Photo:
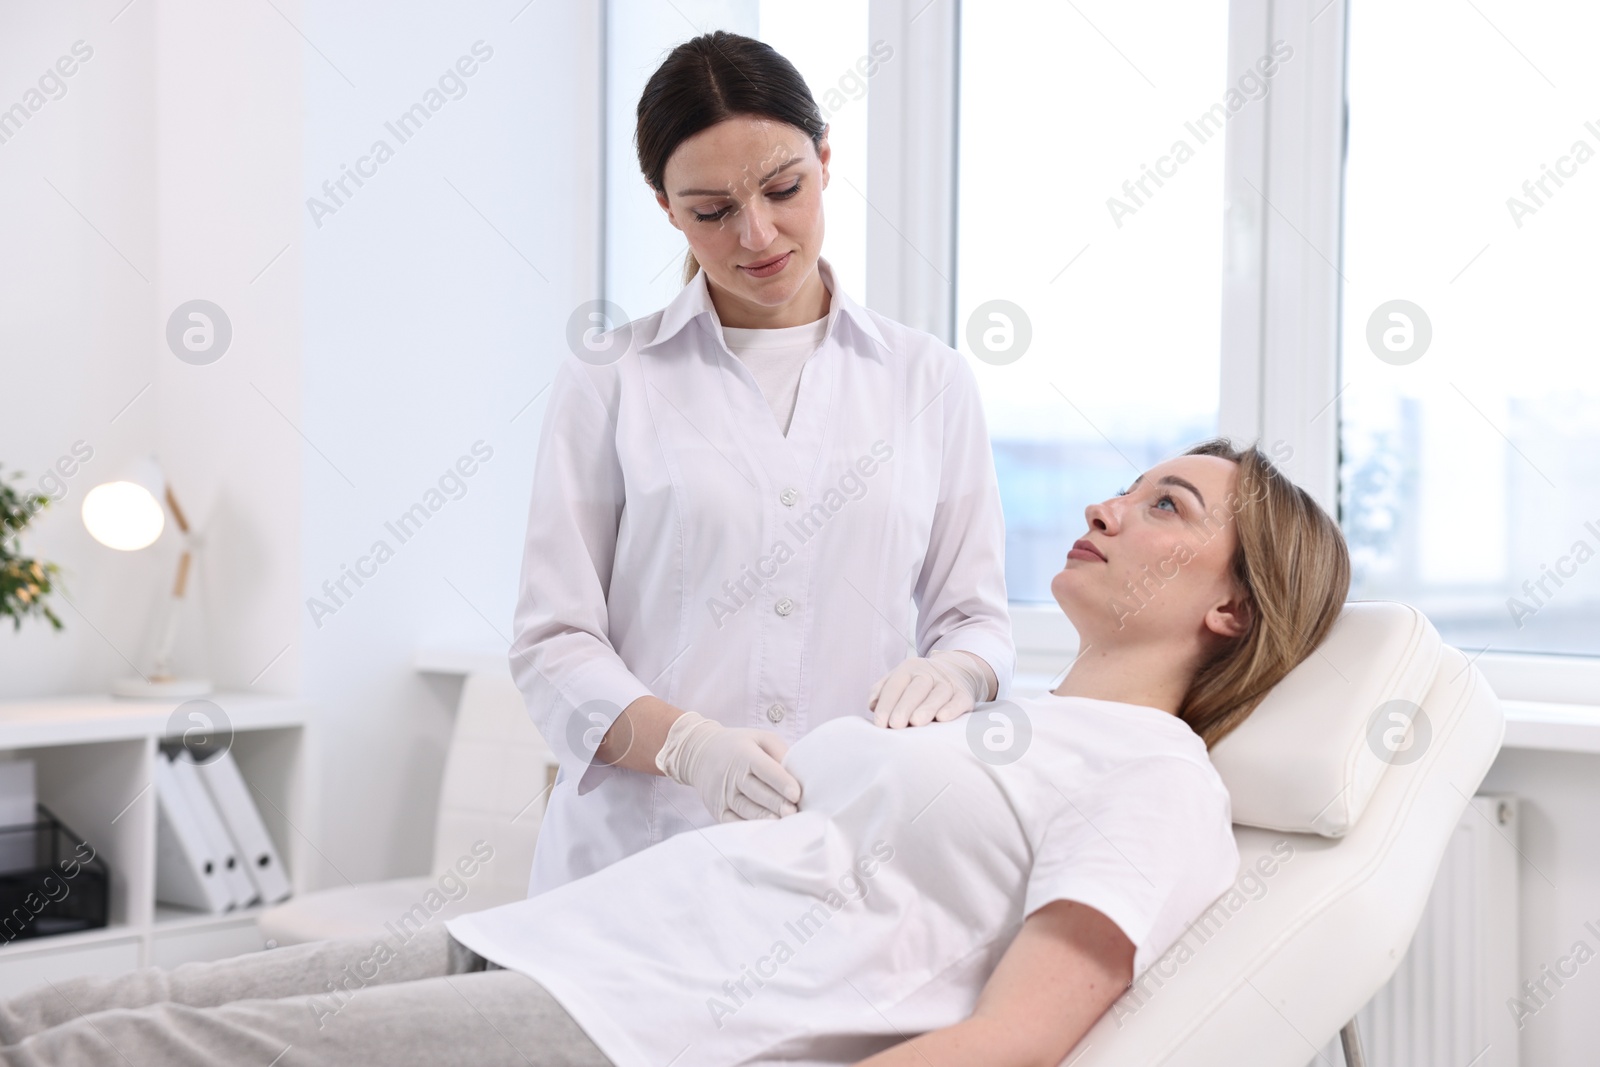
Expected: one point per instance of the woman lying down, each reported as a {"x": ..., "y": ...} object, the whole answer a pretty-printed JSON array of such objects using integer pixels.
[{"x": 976, "y": 891}]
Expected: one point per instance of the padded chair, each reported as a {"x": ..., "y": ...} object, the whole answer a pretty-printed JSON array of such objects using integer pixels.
[
  {"x": 1341, "y": 820},
  {"x": 496, "y": 778}
]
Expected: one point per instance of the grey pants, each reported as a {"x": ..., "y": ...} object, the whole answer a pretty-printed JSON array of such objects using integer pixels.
[{"x": 430, "y": 1001}]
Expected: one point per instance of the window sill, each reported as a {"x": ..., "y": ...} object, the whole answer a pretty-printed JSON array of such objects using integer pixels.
[{"x": 1549, "y": 727}]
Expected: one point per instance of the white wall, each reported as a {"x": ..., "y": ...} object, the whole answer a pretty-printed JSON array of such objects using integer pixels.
[
  {"x": 227, "y": 137},
  {"x": 164, "y": 173},
  {"x": 436, "y": 301},
  {"x": 78, "y": 267}
]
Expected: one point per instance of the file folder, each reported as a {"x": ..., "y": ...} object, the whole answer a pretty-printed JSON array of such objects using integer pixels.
[
  {"x": 240, "y": 887},
  {"x": 186, "y": 871},
  {"x": 242, "y": 818}
]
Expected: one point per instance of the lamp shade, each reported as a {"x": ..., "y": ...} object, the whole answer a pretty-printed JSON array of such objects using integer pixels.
[{"x": 127, "y": 514}]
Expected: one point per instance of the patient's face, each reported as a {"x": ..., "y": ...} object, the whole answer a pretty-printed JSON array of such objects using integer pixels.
[{"x": 1156, "y": 560}]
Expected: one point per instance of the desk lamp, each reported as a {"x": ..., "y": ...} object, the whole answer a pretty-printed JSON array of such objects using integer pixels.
[{"x": 127, "y": 515}]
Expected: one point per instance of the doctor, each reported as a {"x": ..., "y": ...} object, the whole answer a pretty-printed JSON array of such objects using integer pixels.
[{"x": 758, "y": 509}]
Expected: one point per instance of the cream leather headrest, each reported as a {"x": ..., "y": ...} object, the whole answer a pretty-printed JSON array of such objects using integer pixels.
[{"x": 1308, "y": 759}]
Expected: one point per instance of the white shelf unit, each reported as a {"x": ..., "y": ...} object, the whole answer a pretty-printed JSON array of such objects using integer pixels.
[{"x": 95, "y": 762}]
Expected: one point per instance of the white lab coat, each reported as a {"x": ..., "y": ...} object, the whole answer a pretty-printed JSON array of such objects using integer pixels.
[{"x": 679, "y": 545}]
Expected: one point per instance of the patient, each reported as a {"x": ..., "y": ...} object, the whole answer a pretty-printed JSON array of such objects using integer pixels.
[{"x": 975, "y": 891}]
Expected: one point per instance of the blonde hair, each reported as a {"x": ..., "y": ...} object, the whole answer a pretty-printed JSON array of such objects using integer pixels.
[
  {"x": 691, "y": 266},
  {"x": 1293, "y": 566}
]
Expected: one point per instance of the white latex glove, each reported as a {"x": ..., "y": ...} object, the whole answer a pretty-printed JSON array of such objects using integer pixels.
[
  {"x": 942, "y": 687},
  {"x": 736, "y": 771}
]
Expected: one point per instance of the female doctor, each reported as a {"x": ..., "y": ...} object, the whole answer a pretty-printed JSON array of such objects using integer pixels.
[{"x": 738, "y": 499}]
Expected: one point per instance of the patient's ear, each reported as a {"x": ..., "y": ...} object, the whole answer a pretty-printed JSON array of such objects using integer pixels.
[{"x": 1232, "y": 617}]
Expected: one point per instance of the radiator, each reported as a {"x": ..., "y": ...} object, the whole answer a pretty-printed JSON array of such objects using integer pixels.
[{"x": 1445, "y": 1006}]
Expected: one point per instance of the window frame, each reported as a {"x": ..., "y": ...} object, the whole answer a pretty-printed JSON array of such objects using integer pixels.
[
  {"x": 913, "y": 115},
  {"x": 1282, "y": 248}
]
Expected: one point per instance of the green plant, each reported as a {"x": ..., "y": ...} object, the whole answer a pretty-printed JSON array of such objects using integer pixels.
[{"x": 24, "y": 582}]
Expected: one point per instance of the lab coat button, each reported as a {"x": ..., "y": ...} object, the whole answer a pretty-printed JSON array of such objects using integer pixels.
[
  {"x": 775, "y": 713},
  {"x": 784, "y": 606},
  {"x": 789, "y": 496}
]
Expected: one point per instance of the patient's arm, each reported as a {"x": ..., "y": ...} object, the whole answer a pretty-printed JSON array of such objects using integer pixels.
[{"x": 1063, "y": 970}]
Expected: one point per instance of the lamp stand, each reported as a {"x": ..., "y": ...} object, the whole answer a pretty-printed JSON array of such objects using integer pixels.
[{"x": 161, "y": 683}]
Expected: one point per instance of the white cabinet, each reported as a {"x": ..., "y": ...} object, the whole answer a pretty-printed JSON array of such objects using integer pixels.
[{"x": 95, "y": 760}]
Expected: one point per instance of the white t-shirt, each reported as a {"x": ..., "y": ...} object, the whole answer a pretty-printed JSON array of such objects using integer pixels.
[
  {"x": 776, "y": 357},
  {"x": 880, "y": 909}
]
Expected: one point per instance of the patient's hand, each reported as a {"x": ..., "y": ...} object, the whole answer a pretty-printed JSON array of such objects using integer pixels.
[{"x": 920, "y": 691}]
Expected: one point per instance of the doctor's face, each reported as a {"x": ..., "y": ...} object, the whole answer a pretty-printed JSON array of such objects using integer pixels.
[
  {"x": 747, "y": 193},
  {"x": 1156, "y": 563}
]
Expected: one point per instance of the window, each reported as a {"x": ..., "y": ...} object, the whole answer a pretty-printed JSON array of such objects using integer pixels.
[
  {"x": 1089, "y": 249},
  {"x": 1470, "y": 399}
]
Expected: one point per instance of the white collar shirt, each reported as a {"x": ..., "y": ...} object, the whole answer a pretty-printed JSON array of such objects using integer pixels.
[{"x": 680, "y": 545}]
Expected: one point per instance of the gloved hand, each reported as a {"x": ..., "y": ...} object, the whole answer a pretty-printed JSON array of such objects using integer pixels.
[
  {"x": 919, "y": 691},
  {"x": 736, "y": 771}
]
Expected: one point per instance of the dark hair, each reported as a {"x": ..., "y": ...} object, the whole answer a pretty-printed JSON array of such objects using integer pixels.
[{"x": 715, "y": 77}]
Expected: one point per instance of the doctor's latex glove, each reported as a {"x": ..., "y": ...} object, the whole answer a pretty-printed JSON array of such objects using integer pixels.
[
  {"x": 942, "y": 687},
  {"x": 735, "y": 770}
]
